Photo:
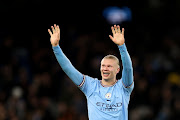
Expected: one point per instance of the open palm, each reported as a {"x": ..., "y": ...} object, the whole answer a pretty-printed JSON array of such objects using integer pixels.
[
  {"x": 55, "y": 35},
  {"x": 118, "y": 36}
]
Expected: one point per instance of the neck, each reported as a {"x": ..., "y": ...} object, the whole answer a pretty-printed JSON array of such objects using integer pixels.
[{"x": 108, "y": 82}]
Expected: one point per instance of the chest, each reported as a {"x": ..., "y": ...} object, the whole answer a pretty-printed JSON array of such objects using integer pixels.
[{"x": 109, "y": 98}]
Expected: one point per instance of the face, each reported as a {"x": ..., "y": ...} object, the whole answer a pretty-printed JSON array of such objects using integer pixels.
[{"x": 109, "y": 69}]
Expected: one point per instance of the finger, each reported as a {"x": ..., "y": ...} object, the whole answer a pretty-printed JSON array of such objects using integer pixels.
[
  {"x": 115, "y": 28},
  {"x": 123, "y": 31},
  {"x": 118, "y": 29},
  {"x": 111, "y": 38},
  {"x": 50, "y": 32},
  {"x": 52, "y": 29},
  {"x": 58, "y": 29},
  {"x": 55, "y": 27},
  {"x": 113, "y": 31}
]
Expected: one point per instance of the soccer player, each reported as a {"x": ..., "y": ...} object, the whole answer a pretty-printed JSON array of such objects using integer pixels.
[{"x": 108, "y": 98}]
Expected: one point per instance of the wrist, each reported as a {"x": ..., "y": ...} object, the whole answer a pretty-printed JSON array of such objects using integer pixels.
[
  {"x": 54, "y": 45},
  {"x": 120, "y": 44}
]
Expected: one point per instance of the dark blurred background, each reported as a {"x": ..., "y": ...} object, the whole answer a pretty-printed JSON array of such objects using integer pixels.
[{"x": 34, "y": 87}]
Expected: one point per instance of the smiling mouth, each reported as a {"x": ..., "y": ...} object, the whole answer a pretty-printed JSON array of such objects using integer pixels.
[{"x": 105, "y": 74}]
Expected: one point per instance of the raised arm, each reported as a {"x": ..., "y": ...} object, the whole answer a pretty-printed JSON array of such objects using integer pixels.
[
  {"x": 64, "y": 62},
  {"x": 127, "y": 72}
]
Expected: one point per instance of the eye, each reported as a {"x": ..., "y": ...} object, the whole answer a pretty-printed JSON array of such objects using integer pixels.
[
  {"x": 103, "y": 65},
  {"x": 109, "y": 66}
]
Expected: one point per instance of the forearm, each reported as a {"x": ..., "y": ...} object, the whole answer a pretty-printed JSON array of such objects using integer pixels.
[
  {"x": 127, "y": 72},
  {"x": 66, "y": 66}
]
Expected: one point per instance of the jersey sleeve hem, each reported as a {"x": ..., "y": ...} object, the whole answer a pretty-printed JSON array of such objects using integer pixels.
[
  {"x": 127, "y": 86},
  {"x": 82, "y": 83}
]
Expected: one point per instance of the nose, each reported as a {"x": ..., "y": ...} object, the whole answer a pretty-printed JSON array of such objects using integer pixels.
[{"x": 105, "y": 68}]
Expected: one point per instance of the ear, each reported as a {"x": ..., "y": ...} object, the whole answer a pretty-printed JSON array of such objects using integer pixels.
[{"x": 118, "y": 70}]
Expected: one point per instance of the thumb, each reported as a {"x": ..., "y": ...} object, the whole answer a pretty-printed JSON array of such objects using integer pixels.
[{"x": 111, "y": 38}]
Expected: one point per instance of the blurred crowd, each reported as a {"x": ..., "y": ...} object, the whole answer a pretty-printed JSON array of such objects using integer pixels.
[{"x": 34, "y": 87}]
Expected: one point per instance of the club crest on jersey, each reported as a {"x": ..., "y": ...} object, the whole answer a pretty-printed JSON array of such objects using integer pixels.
[{"x": 108, "y": 95}]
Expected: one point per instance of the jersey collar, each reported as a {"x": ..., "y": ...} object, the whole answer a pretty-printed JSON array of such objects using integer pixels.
[{"x": 108, "y": 85}]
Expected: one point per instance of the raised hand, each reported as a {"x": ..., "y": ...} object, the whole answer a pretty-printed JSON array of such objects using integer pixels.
[
  {"x": 118, "y": 36},
  {"x": 55, "y": 35}
]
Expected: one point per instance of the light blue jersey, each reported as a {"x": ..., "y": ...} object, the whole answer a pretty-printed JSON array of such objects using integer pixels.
[{"x": 104, "y": 102}]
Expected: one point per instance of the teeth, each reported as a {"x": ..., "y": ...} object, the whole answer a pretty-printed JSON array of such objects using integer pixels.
[{"x": 106, "y": 73}]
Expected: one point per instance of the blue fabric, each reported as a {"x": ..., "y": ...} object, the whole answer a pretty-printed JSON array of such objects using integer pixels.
[
  {"x": 67, "y": 67},
  {"x": 127, "y": 72},
  {"x": 104, "y": 103}
]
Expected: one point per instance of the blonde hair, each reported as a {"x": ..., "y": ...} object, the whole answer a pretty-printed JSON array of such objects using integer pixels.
[{"x": 113, "y": 58}]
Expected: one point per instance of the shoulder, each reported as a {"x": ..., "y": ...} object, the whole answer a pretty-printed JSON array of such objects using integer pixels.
[
  {"x": 127, "y": 90},
  {"x": 90, "y": 81},
  {"x": 90, "y": 78},
  {"x": 89, "y": 85},
  {"x": 119, "y": 82}
]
